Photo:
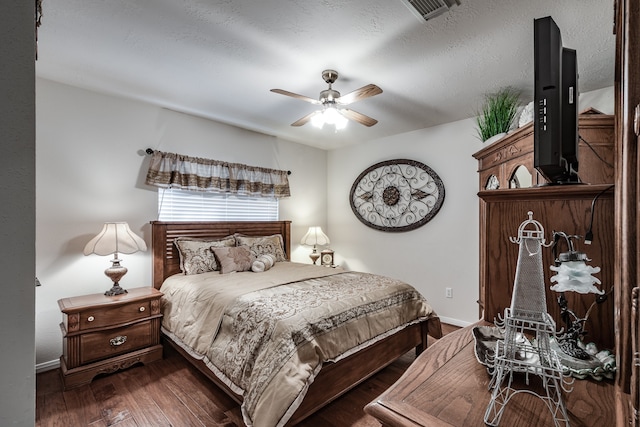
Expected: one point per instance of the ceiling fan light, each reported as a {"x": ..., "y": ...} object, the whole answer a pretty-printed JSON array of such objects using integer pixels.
[
  {"x": 340, "y": 121},
  {"x": 333, "y": 116},
  {"x": 317, "y": 120},
  {"x": 330, "y": 116}
]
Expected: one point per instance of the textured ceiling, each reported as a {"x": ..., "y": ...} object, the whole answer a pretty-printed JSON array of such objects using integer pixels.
[{"x": 219, "y": 58}]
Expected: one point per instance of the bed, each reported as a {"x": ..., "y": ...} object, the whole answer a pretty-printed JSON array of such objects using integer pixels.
[{"x": 308, "y": 387}]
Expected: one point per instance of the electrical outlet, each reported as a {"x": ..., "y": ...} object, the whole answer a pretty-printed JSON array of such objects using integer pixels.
[{"x": 448, "y": 292}]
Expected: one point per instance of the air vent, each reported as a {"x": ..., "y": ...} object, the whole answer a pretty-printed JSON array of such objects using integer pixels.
[{"x": 429, "y": 9}]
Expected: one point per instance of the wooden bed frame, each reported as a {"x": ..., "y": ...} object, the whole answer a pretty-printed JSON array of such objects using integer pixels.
[{"x": 335, "y": 378}]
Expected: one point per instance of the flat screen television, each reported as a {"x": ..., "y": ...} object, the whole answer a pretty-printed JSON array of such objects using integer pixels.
[{"x": 555, "y": 105}]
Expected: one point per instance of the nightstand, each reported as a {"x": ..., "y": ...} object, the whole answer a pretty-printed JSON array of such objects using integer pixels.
[{"x": 103, "y": 334}]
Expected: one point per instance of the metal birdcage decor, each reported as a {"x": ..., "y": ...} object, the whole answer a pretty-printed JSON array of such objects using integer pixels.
[{"x": 527, "y": 329}]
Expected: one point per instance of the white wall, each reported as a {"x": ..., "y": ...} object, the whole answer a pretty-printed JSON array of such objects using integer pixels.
[
  {"x": 17, "y": 213},
  {"x": 442, "y": 253},
  {"x": 91, "y": 169}
]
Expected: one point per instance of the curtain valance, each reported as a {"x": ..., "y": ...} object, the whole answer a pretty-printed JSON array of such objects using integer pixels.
[{"x": 198, "y": 174}]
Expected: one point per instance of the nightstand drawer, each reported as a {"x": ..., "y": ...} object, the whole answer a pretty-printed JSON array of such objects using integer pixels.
[
  {"x": 109, "y": 316},
  {"x": 104, "y": 344}
]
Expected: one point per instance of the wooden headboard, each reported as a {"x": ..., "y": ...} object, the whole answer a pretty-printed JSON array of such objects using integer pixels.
[{"x": 166, "y": 260}]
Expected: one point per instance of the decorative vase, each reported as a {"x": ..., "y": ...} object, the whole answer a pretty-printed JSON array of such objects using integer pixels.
[{"x": 495, "y": 137}]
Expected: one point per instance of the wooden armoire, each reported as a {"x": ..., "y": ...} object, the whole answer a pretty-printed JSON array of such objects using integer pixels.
[{"x": 566, "y": 208}]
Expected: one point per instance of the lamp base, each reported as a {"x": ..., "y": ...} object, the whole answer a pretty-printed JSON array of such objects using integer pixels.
[
  {"x": 570, "y": 347},
  {"x": 314, "y": 256},
  {"x": 115, "y": 290},
  {"x": 115, "y": 273}
]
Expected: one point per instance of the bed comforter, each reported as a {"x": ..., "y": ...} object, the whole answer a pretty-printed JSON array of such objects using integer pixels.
[{"x": 266, "y": 335}]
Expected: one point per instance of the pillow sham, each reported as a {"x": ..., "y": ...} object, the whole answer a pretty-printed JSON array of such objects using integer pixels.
[
  {"x": 196, "y": 256},
  {"x": 273, "y": 245},
  {"x": 263, "y": 263},
  {"x": 235, "y": 258}
]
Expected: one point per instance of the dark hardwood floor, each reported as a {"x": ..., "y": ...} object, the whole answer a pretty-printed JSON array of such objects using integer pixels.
[{"x": 170, "y": 392}]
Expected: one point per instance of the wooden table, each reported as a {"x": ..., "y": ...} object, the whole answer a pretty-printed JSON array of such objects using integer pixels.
[{"x": 447, "y": 387}]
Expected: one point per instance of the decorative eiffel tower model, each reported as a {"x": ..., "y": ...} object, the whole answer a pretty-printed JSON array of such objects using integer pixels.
[{"x": 525, "y": 349}]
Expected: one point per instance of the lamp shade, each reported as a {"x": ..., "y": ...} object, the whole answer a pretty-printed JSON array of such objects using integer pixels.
[
  {"x": 315, "y": 236},
  {"x": 573, "y": 273},
  {"x": 115, "y": 237},
  {"x": 575, "y": 276}
]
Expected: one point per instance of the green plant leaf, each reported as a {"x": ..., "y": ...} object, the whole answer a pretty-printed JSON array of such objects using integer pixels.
[{"x": 497, "y": 113}]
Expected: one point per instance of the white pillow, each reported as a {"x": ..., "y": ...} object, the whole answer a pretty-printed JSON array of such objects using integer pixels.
[{"x": 263, "y": 263}]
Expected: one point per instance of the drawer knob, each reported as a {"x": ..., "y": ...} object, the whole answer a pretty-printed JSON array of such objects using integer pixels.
[
  {"x": 119, "y": 340},
  {"x": 90, "y": 319},
  {"x": 141, "y": 309}
]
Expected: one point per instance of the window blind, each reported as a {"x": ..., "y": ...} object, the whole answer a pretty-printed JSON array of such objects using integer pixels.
[{"x": 181, "y": 205}]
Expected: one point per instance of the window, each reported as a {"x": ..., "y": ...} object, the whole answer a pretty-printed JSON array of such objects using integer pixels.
[{"x": 181, "y": 205}]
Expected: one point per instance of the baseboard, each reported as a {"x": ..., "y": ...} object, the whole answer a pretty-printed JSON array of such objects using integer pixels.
[
  {"x": 47, "y": 366},
  {"x": 454, "y": 322}
]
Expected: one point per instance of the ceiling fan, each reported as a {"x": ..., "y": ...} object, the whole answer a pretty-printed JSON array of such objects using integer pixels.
[{"x": 330, "y": 100}]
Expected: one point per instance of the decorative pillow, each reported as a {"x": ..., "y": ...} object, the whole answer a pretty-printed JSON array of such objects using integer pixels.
[
  {"x": 273, "y": 245},
  {"x": 196, "y": 256},
  {"x": 263, "y": 263},
  {"x": 236, "y": 258}
]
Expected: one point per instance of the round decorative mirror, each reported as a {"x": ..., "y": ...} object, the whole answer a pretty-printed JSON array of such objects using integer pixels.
[{"x": 397, "y": 195}]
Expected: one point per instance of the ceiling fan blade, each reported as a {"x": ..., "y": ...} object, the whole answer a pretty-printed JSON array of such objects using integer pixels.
[
  {"x": 358, "y": 94},
  {"x": 358, "y": 117},
  {"x": 295, "y": 95},
  {"x": 304, "y": 120}
]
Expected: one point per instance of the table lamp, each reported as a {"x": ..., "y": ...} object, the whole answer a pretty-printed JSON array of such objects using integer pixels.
[
  {"x": 115, "y": 237},
  {"x": 575, "y": 275},
  {"x": 314, "y": 237}
]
